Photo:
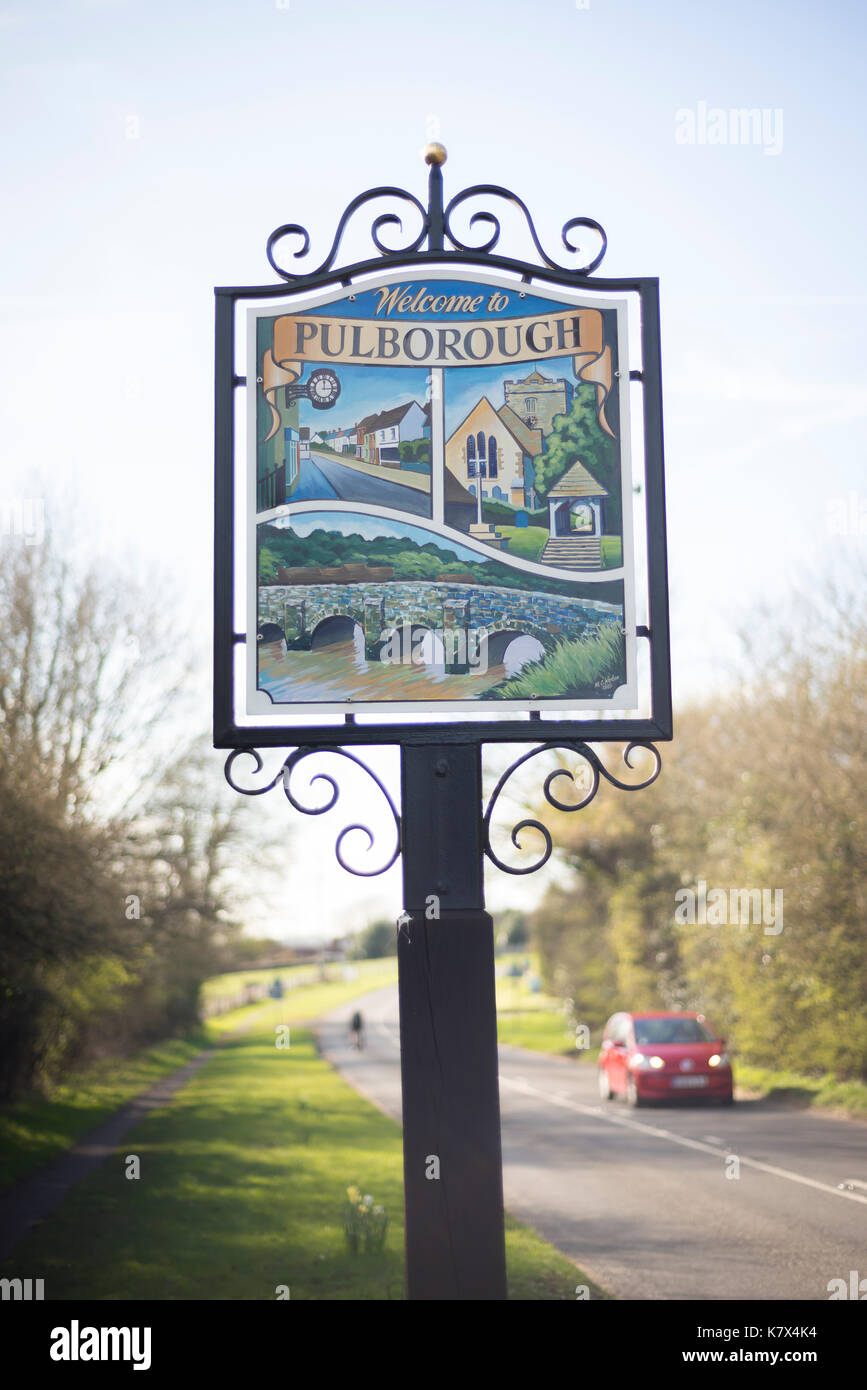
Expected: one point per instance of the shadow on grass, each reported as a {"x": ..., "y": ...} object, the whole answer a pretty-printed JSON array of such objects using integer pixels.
[
  {"x": 802, "y": 1097},
  {"x": 242, "y": 1188}
]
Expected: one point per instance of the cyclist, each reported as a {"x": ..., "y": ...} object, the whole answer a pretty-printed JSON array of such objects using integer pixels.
[{"x": 356, "y": 1031}]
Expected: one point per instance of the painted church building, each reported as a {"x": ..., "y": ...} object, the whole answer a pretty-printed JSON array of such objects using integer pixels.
[
  {"x": 493, "y": 450},
  {"x": 537, "y": 398}
]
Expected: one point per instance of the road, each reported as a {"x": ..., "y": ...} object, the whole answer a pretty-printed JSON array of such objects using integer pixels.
[
  {"x": 640, "y": 1199},
  {"x": 354, "y": 486}
]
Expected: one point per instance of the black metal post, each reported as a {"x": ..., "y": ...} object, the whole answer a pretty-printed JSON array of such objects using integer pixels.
[
  {"x": 455, "y": 1245},
  {"x": 435, "y": 158}
]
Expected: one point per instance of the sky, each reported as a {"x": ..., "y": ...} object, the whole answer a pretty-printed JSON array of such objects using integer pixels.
[
  {"x": 150, "y": 149},
  {"x": 364, "y": 391},
  {"x": 462, "y": 391}
]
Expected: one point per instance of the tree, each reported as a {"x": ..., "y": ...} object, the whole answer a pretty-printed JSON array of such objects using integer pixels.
[
  {"x": 91, "y": 663},
  {"x": 376, "y": 940},
  {"x": 63, "y": 949},
  {"x": 415, "y": 450},
  {"x": 579, "y": 438},
  {"x": 513, "y": 925},
  {"x": 762, "y": 791},
  {"x": 178, "y": 855},
  {"x": 114, "y": 858}
]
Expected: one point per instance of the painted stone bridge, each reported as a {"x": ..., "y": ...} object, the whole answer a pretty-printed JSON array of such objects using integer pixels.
[{"x": 312, "y": 615}]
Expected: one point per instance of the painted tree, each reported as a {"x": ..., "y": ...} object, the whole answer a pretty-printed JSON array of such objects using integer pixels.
[{"x": 579, "y": 438}]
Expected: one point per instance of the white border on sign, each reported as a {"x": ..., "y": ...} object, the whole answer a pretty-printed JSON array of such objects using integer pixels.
[{"x": 258, "y": 702}]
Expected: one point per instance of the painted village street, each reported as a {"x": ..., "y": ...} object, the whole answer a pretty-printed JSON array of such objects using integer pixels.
[{"x": 323, "y": 476}]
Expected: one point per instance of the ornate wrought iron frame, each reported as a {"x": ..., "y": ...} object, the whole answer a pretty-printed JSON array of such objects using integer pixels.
[
  {"x": 445, "y": 248},
  {"x": 597, "y": 772}
]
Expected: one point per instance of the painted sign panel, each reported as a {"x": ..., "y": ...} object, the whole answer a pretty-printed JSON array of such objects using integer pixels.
[{"x": 439, "y": 499}]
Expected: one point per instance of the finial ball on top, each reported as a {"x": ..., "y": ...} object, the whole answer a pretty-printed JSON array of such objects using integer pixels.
[{"x": 434, "y": 153}]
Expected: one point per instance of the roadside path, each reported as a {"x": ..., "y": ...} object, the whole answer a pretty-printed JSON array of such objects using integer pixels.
[{"x": 29, "y": 1201}]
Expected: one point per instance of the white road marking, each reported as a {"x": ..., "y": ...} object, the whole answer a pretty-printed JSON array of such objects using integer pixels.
[
  {"x": 715, "y": 1148},
  {"x": 524, "y": 1086}
]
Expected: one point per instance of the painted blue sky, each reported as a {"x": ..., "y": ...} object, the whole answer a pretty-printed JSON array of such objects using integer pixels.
[
  {"x": 463, "y": 386},
  {"x": 366, "y": 303},
  {"x": 363, "y": 391}
]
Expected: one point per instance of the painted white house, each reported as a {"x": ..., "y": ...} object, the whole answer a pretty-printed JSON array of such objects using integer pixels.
[{"x": 393, "y": 427}]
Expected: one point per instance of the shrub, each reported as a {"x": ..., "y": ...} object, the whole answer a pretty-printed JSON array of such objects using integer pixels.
[{"x": 365, "y": 1223}]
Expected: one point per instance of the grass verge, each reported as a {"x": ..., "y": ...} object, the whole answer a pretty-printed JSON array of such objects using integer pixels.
[
  {"x": 536, "y": 1021},
  {"x": 525, "y": 1016},
  {"x": 539, "y": 1030},
  {"x": 792, "y": 1088},
  {"x": 37, "y": 1130},
  {"x": 242, "y": 1188}
]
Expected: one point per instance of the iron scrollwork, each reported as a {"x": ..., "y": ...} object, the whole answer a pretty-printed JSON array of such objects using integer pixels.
[
  {"x": 493, "y": 190},
  {"x": 597, "y": 770},
  {"x": 284, "y": 776},
  {"x": 438, "y": 240},
  {"x": 383, "y": 220},
  {"x": 436, "y": 229}
]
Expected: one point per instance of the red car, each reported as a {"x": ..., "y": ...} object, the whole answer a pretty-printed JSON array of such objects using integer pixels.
[{"x": 660, "y": 1056}]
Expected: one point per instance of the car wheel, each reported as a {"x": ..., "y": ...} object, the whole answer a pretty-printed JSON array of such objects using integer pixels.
[
  {"x": 728, "y": 1100},
  {"x": 633, "y": 1099},
  {"x": 605, "y": 1090}
]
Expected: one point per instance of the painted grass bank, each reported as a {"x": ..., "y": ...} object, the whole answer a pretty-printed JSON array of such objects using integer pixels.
[
  {"x": 242, "y": 1189},
  {"x": 35, "y": 1131}
]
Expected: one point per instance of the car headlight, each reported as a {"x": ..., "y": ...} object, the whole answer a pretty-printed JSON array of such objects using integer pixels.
[
  {"x": 641, "y": 1062},
  {"x": 719, "y": 1059}
]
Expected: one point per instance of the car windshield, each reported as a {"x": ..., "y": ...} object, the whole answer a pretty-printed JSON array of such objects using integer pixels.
[{"x": 653, "y": 1031}]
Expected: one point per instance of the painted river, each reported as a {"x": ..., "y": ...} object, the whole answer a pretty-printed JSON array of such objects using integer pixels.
[{"x": 340, "y": 670}]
